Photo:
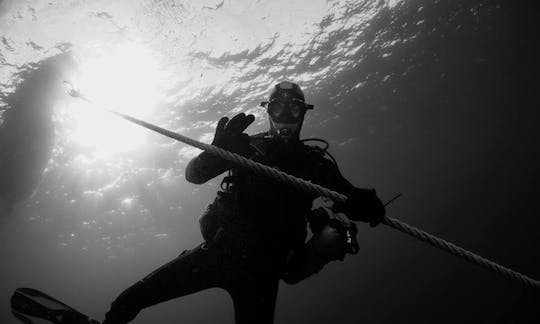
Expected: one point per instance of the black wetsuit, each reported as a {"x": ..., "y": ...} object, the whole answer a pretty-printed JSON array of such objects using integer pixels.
[{"x": 255, "y": 233}]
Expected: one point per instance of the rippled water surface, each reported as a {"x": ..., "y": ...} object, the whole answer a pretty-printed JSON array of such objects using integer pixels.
[
  {"x": 180, "y": 65},
  {"x": 433, "y": 99}
]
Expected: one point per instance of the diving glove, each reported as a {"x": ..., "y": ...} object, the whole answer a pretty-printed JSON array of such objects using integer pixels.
[
  {"x": 230, "y": 134},
  {"x": 363, "y": 205}
]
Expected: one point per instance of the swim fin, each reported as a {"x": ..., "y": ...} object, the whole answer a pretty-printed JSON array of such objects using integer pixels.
[{"x": 31, "y": 306}]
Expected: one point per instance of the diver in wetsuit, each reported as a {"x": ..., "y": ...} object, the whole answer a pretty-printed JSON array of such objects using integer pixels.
[{"x": 255, "y": 230}]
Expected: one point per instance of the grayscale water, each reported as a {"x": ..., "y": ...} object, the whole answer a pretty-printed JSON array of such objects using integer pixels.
[{"x": 437, "y": 100}]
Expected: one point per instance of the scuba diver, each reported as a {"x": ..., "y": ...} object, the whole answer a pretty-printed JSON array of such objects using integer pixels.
[
  {"x": 27, "y": 131},
  {"x": 255, "y": 230}
]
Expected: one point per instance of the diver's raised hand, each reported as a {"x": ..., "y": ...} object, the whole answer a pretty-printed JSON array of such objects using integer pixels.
[{"x": 230, "y": 134}]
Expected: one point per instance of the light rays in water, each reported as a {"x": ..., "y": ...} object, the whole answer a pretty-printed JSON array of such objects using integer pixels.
[{"x": 126, "y": 78}]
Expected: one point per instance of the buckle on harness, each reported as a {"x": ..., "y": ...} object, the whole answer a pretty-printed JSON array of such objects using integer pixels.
[{"x": 227, "y": 184}]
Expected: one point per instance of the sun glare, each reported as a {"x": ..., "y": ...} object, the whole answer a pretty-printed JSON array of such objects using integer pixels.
[{"x": 126, "y": 79}]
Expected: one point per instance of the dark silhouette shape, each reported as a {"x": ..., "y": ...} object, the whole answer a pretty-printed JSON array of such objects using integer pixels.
[
  {"x": 28, "y": 304},
  {"x": 27, "y": 132},
  {"x": 255, "y": 230}
]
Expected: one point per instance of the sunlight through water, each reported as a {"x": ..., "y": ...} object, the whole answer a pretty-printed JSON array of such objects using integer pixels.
[
  {"x": 126, "y": 79},
  {"x": 181, "y": 65}
]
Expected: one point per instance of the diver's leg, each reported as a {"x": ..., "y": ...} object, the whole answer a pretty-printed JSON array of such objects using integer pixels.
[
  {"x": 255, "y": 300},
  {"x": 192, "y": 271}
]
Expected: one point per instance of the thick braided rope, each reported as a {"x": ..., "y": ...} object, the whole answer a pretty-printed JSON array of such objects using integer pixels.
[
  {"x": 460, "y": 252},
  {"x": 308, "y": 187}
]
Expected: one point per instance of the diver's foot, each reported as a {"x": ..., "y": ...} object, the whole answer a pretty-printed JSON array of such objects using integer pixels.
[{"x": 33, "y": 306}]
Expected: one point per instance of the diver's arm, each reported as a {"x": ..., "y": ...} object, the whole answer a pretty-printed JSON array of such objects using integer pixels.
[
  {"x": 205, "y": 167},
  {"x": 229, "y": 136},
  {"x": 333, "y": 179},
  {"x": 362, "y": 204}
]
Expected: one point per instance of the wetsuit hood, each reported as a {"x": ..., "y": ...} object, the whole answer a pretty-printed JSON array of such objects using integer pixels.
[{"x": 286, "y": 110}]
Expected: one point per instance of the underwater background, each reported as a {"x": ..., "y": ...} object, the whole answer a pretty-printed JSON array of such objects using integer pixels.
[{"x": 437, "y": 100}]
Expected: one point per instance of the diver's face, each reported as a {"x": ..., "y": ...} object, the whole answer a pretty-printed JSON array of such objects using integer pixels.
[{"x": 286, "y": 117}]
